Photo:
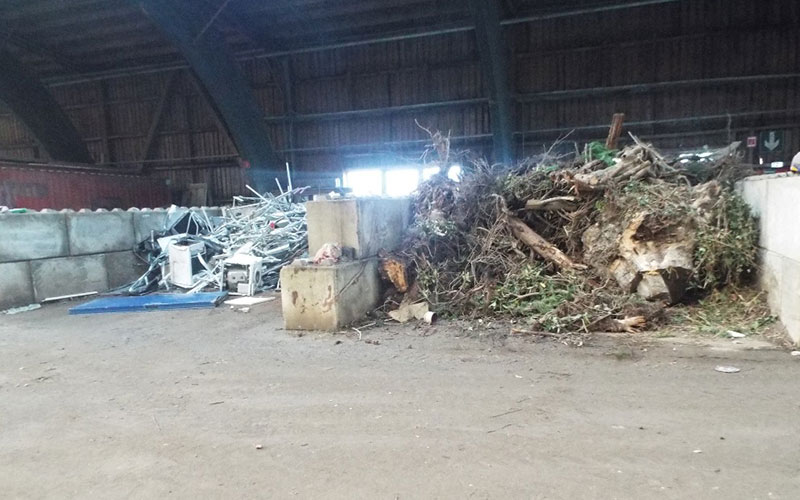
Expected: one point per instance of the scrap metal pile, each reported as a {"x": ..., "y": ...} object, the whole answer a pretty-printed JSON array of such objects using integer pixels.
[
  {"x": 242, "y": 251},
  {"x": 596, "y": 240}
]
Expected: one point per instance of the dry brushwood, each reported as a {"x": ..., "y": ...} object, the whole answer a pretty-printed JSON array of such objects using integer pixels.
[{"x": 509, "y": 240}]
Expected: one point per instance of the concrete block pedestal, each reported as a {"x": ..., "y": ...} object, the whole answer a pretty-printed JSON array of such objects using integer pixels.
[
  {"x": 366, "y": 225},
  {"x": 328, "y": 297}
]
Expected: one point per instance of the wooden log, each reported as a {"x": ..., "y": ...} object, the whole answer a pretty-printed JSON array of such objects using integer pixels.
[
  {"x": 615, "y": 130},
  {"x": 625, "y": 169},
  {"x": 555, "y": 203},
  {"x": 541, "y": 246}
]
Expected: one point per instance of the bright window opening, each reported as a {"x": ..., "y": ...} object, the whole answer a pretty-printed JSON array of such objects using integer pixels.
[
  {"x": 454, "y": 173},
  {"x": 429, "y": 172},
  {"x": 364, "y": 182},
  {"x": 392, "y": 181},
  {"x": 401, "y": 181}
]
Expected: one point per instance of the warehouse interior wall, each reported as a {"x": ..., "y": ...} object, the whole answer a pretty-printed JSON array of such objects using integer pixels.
[{"x": 686, "y": 74}]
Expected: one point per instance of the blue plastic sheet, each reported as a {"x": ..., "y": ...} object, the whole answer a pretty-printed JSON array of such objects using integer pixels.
[{"x": 154, "y": 302}]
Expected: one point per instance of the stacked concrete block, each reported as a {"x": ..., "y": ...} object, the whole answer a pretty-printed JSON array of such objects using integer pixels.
[
  {"x": 33, "y": 236},
  {"x": 50, "y": 254},
  {"x": 364, "y": 224},
  {"x": 16, "y": 286},
  {"x": 68, "y": 276},
  {"x": 147, "y": 221},
  {"x": 123, "y": 268},
  {"x": 328, "y": 297},
  {"x": 99, "y": 232},
  {"x": 332, "y": 297},
  {"x": 773, "y": 198}
]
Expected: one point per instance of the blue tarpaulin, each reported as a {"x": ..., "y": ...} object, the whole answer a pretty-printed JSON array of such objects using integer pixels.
[{"x": 161, "y": 301}]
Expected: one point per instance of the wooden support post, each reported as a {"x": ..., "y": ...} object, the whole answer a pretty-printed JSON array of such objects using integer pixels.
[
  {"x": 223, "y": 130},
  {"x": 158, "y": 113},
  {"x": 221, "y": 77},
  {"x": 105, "y": 151},
  {"x": 615, "y": 130},
  {"x": 188, "y": 114},
  {"x": 288, "y": 106}
]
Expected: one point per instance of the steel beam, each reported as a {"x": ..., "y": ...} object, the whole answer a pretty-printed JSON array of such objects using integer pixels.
[
  {"x": 493, "y": 52},
  {"x": 222, "y": 79},
  {"x": 33, "y": 104}
]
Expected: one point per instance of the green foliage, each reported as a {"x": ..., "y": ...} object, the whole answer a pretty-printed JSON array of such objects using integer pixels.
[
  {"x": 531, "y": 292},
  {"x": 666, "y": 201},
  {"x": 598, "y": 151},
  {"x": 726, "y": 250}
]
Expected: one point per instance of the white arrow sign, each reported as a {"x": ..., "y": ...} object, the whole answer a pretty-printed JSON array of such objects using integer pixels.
[{"x": 772, "y": 142}]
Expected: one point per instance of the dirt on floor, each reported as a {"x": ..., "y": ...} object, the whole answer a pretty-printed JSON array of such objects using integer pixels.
[{"x": 223, "y": 404}]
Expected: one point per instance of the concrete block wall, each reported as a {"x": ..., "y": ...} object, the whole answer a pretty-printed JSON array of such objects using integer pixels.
[
  {"x": 49, "y": 254},
  {"x": 774, "y": 199}
]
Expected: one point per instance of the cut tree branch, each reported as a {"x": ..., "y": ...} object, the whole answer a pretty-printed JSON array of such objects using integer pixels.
[
  {"x": 541, "y": 246},
  {"x": 551, "y": 204}
]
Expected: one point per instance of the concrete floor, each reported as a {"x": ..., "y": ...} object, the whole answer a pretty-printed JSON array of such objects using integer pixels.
[{"x": 220, "y": 404}]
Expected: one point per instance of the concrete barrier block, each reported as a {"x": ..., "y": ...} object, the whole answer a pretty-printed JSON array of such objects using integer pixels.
[
  {"x": 770, "y": 278},
  {"x": 123, "y": 268},
  {"x": 365, "y": 224},
  {"x": 754, "y": 192},
  {"x": 68, "y": 275},
  {"x": 790, "y": 297},
  {"x": 16, "y": 288},
  {"x": 100, "y": 232},
  {"x": 33, "y": 236},
  {"x": 778, "y": 233},
  {"x": 328, "y": 297},
  {"x": 145, "y": 222}
]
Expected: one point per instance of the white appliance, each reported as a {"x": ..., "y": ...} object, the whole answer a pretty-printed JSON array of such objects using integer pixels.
[{"x": 184, "y": 263}]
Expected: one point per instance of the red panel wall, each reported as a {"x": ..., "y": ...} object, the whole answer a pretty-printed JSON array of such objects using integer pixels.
[{"x": 57, "y": 188}]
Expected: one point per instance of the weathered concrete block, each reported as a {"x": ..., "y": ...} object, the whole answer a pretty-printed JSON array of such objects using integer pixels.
[
  {"x": 68, "y": 275},
  {"x": 328, "y": 297},
  {"x": 145, "y": 222},
  {"x": 100, "y": 232},
  {"x": 33, "y": 236},
  {"x": 16, "y": 288},
  {"x": 773, "y": 197},
  {"x": 122, "y": 268},
  {"x": 769, "y": 279},
  {"x": 364, "y": 224},
  {"x": 779, "y": 234},
  {"x": 790, "y": 297},
  {"x": 754, "y": 191}
]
